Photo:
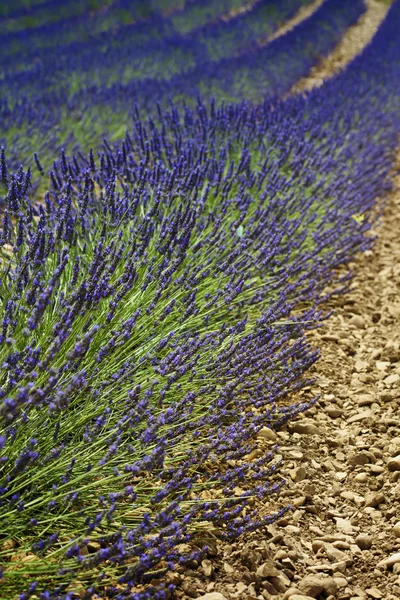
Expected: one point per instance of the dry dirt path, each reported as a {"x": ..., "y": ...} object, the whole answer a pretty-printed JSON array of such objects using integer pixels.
[
  {"x": 341, "y": 541},
  {"x": 302, "y": 14},
  {"x": 353, "y": 43}
]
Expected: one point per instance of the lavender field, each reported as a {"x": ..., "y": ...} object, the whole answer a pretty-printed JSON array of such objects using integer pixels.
[{"x": 172, "y": 223}]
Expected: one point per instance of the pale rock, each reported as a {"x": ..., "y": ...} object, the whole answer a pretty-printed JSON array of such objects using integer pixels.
[
  {"x": 267, "y": 434},
  {"x": 357, "y": 321},
  {"x": 267, "y": 569},
  {"x": 300, "y": 501},
  {"x": 365, "y": 400},
  {"x": 8, "y": 545},
  {"x": 334, "y": 554},
  {"x": 373, "y": 499},
  {"x": 280, "y": 582},
  {"x": 361, "y": 458},
  {"x": 346, "y": 495},
  {"x": 334, "y": 412},
  {"x": 341, "y": 582},
  {"x": 382, "y": 365},
  {"x": 342, "y": 545},
  {"x": 394, "y": 463},
  {"x": 360, "y": 365},
  {"x": 93, "y": 547},
  {"x": 207, "y": 567},
  {"x": 364, "y": 541},
  {"x": 361, "y": 416},
  {"x": 355, "y": 549},
  {"x": 361, "y": 477},
  {"x": 391, "y": 379},
  {"x": 299, "y": 597},
  {"x": 339, "y": 567},
  {"x": 298, "y": 474},
  {"x": 344, "y": 525},
  {"x": 390, "y": 561},
  {"x": 374, "y": 593},
  {"x": 314, "y": 585},
  {"x": 376, "y": 469},
  {"x": 303, "y": 428},
  {"x": 228, "y": 568}
]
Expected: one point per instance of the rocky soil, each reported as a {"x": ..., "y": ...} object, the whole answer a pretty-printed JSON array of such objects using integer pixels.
[{"x": 341, "y": 539}]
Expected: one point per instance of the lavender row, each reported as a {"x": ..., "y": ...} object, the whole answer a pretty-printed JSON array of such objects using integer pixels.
[
  {"x": 101, "y": 19},
  {"x": 150, "y": 50},
  {"x": 262, "y": 73},
  {"x": 154, "y": 311}
]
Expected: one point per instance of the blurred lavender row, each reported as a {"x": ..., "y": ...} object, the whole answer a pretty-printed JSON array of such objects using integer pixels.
[{"x": 88, "y": 91}]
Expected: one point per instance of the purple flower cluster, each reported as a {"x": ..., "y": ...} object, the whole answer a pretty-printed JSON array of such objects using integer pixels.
[{"x": 154, "y": 305}]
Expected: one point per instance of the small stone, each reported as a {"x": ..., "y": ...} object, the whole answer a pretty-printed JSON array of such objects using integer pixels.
[
  {"x": 374, "y": 593},
  {"x": 360, "y": 365},
  {"x": 303, "y": 428},
  {"x": 394, "y": 463},
  {"x": 267, "y": 434},
  {"x": 341, "y": 582},
  {"x": 298, "y": 474},
  {"x": 8, "y": 545},
  {"x": 390, "y": 561},
  {"x": 340, "y": 476},
  {"x": 391, "y": 379},
  {"x": 361, "y": 416},
  {"x": 396, "y": 529},
  {"x": 280, "y": 582},
  {"x": 267, "y": 569},
  {"x": 334, "y": 554},
  {"x": 382, "y": 365},
  {"x": 299, "y": 597},
  {"x": 22, "y": 557},
  {"x": 190, "y": 589},
  {"x": 296, "y": 454},
  {"x": 344, "y": 525},
  {"x": 334, "y": 412},
  {"x": 364, "y": 541},
  {"x": 300, "y": 501},
  {"x": 207, "y": 567},
  {"x": 314, "y": 585},
  {"x": 374, "y": 499},
  {"x": 93, "y": 547},
  {"x": 212, "y": 596},
  {"x": 29, "y": 558},
  {"x": 228, "y": 568},
  {"x": 361, "y": 477},
  {"x": 361, "y": 458},
  {"x": 376, "y": 469},
  {"x": 365, "y": 400},
  {"x": 357, "y": 321}
]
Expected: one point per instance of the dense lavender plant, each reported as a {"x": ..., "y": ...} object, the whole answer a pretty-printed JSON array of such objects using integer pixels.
[{"x": 153, "y": 310}]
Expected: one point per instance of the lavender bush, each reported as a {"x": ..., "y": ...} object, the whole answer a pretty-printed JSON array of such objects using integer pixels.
[{"x": 154, "y": 303}]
